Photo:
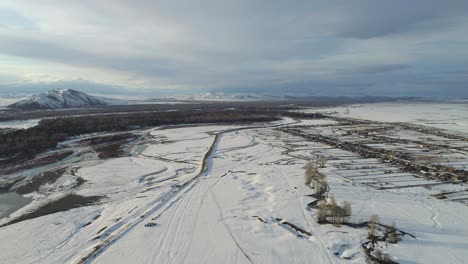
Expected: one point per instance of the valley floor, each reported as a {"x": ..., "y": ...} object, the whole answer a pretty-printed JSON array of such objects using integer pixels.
[{"x": 233, "y": 194}]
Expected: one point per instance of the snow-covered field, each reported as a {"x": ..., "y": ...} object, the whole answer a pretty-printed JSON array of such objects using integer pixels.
[
  {"x": 450, "y": 116},
  {"x": 235, "y": 194}
]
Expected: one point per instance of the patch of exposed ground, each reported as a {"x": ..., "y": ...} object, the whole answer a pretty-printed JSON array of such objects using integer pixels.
[
  {"x": 36, "y": 182},
  {"x": 21, "y": 163},
  {"x": 63, "y": 204}
]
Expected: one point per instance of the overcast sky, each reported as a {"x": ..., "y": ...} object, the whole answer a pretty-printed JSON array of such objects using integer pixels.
[{"x": 361, "y": 47}]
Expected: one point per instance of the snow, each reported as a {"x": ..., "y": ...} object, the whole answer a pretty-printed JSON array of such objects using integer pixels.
[
  {"x": 19, "y": 124},
  {"x": 215, "y": 219},
  {"x": 450, "y": 116},
  {"x": 47, "y": 239},
  {"x": 163, "y": 205},
  {"x": 222, "y": 97},
  {"x": 63, "y": 98}
]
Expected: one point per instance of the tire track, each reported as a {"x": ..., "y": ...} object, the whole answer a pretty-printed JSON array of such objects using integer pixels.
[{"x": 91, "y": 253}]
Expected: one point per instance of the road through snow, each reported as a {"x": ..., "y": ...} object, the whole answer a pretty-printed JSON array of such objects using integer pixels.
[
  {"x": 213, "y": 218},
  {"x": 232, "y": 194}
]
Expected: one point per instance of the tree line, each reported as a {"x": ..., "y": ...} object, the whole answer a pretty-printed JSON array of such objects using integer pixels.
[{"x": 49, "y": 132}]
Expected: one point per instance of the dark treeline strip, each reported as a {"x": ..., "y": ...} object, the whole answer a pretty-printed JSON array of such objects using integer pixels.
[
  {"x": 162, "y": 105},
  {"x": 49, "y": 132},
  {"x": 299, "y": 115},
  {"x": 108, "y": 139},
  {"x": 7, "y": 115}
]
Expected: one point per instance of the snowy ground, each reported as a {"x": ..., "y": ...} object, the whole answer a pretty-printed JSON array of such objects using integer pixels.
[
  {"x": 450, "y": 116},
  {"x": 227, "y": 194},
  {"x": 19, "y": 124}
]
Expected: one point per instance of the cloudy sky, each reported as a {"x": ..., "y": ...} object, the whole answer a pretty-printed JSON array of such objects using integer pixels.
[{"x": 348, "y": 47}]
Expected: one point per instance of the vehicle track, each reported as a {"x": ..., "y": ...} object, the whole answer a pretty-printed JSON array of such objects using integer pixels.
[{"x": 91, "y": 253}]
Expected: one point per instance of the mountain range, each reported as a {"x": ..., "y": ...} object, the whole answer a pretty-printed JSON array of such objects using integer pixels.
[{"x": 61, "y": 99}]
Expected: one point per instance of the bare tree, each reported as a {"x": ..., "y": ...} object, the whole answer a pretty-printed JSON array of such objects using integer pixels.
[
  {"x": 322, "y": 213},
  {"x": 314, "y": 177},
  {"x": 309, "y": 173},
  {"x": 321, "y": 187},
  {"x": 392, "y": 234},
  {"x": 373, "y": 223},
  {"x": 382, "y": 257},
  {"x": 319, "y": 176},
  {"x": 321, "y": 162},
  {"x": 346, "y": 211},
  {"x": 334, "y": 213}
]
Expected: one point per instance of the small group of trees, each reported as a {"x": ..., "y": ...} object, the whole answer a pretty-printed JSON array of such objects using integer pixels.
[
  {"x": 328, "y": 211},
  {"x": 390, "y": 233},
  {"x": 331, "y": 212},
  {"x": 315, "y": 179}
]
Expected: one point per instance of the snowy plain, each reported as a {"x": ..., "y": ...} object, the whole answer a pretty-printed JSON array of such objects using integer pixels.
[
  {"x": 450, "y": 116},
  {"x": 214, "y": 194}
]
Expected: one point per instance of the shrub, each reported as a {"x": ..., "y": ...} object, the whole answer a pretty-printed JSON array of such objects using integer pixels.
[
  {"x": 321, "y": 162},
  {"x": 381, "y": 257},
  {"x": 373, "y": 223},
  {"x": 321, "y": 187},
  {"x": 309, "y": 173},
  {"x": 337, "y": 214},
  {"x": 392, "y": 234}
]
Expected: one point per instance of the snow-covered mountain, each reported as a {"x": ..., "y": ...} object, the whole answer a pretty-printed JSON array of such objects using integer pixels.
[{"x": 61, "y": 98}]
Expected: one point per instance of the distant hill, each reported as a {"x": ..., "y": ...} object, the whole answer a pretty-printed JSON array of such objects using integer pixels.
[{"x": 61, "y": 99}]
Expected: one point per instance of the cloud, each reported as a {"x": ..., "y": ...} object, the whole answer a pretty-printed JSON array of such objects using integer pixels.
[
  {"x": 234, "y": 45},
  {"x": 11, "y": 19},
  {"x": 78, "y": 84},
  {"x": 370, "y": 19},
  {"x": 375, "y": 69}
]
